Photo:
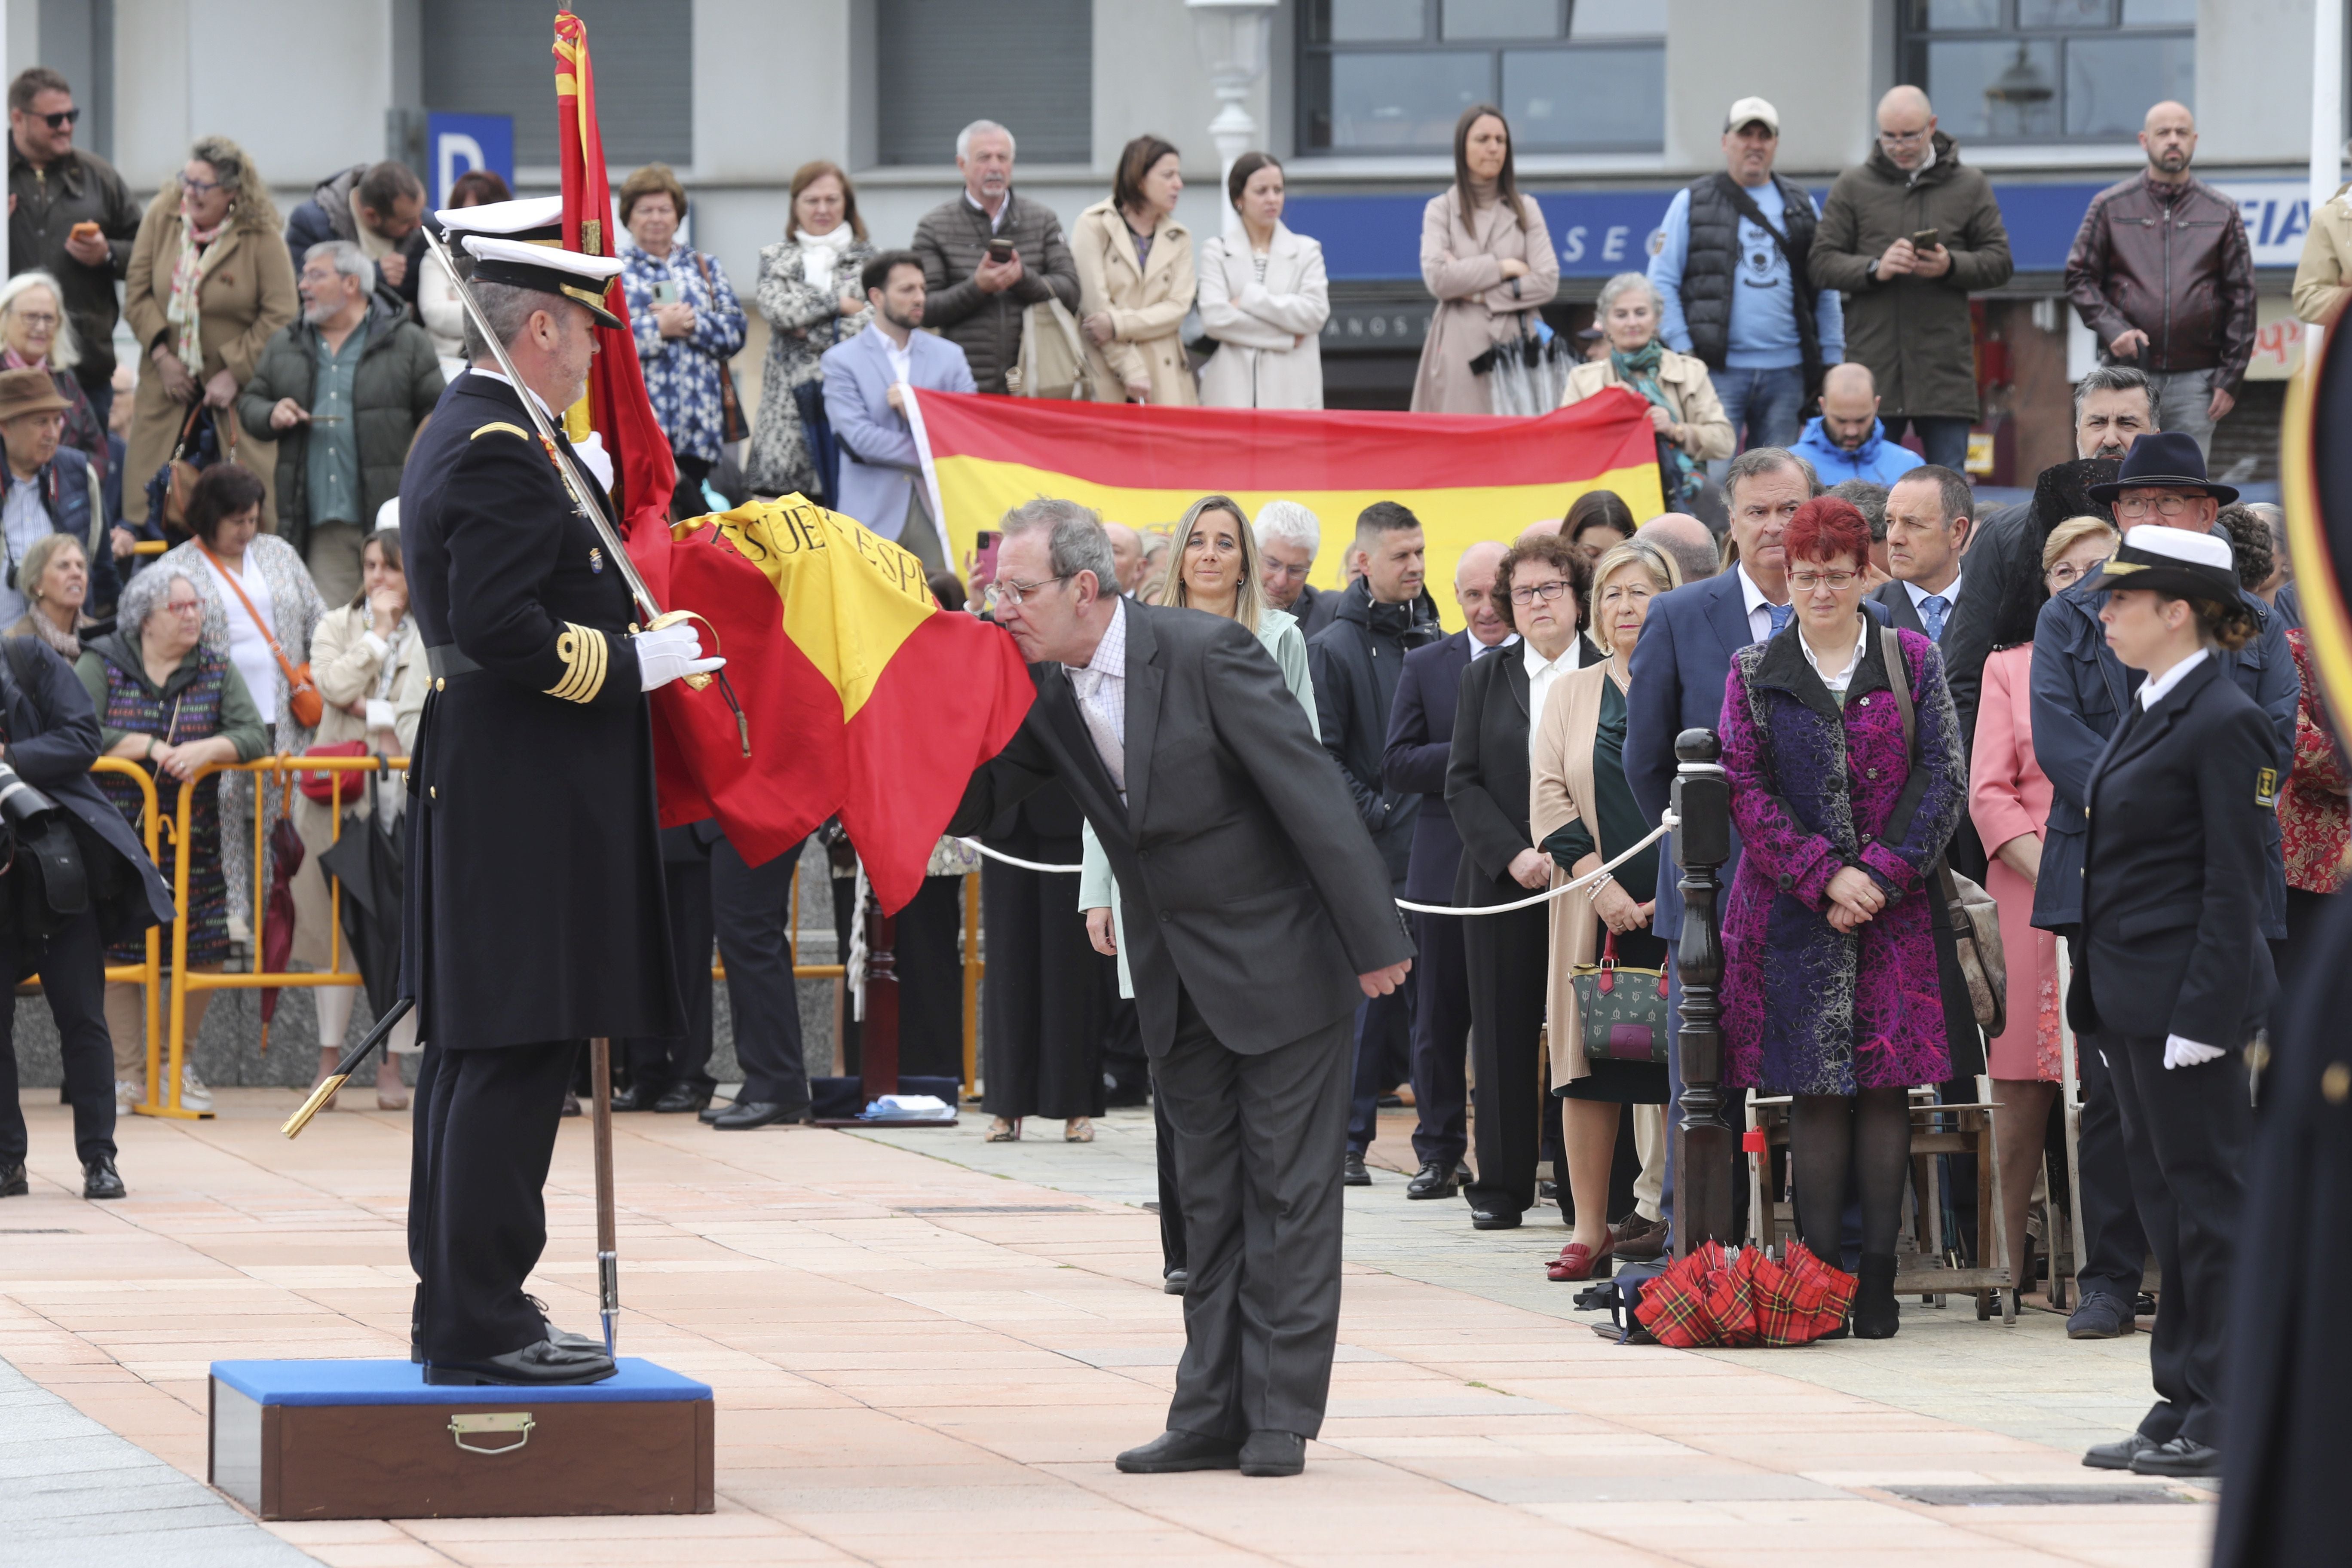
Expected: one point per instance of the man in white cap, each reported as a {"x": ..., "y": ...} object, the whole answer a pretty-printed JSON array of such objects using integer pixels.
[
  {"x": 536, "y": 911},
  {"x": 1731, "y": 268}
]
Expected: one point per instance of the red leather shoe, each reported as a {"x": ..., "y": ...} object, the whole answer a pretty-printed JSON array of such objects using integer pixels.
[{"x": 1576, "y": 1260}]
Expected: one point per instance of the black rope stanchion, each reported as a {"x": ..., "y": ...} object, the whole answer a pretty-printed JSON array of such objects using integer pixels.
[{"x": 1702, "y": 1140}]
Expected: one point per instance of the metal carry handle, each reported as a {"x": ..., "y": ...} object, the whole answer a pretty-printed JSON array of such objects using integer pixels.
[{"x": 517, "y": 1421}]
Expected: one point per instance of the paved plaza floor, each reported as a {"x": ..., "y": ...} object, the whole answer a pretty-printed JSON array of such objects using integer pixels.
[{"x": 927, "y": 1348}]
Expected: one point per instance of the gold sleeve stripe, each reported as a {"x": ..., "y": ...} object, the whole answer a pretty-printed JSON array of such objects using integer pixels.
[
  {"x": 584, "y": 652},
  {"x": 503, "y": 427}
]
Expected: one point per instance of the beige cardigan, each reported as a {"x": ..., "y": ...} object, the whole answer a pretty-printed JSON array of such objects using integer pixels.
[
  {"x": 1561, "y": 763},
  {"x": 1146, "y": 305},
  {"x": 1707, "y": 435}
]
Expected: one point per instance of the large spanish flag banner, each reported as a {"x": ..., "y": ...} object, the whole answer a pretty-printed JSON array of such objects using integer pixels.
[
  {"x": 1466, "y": 477},
  {"x": 860, "y": 696}
]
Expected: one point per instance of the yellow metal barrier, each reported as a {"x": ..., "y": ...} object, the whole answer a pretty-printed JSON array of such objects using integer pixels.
[{"x": 283, "y": 769}]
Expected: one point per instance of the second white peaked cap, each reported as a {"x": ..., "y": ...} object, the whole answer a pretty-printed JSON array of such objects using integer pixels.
[{"x": 534, "y": 218}]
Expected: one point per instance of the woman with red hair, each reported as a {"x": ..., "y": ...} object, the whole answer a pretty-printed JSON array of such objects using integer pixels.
[{"x": 1832, "y": 990}]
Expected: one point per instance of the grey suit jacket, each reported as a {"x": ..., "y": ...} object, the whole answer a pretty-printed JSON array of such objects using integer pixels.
[{"x": 1246, "y": 875}]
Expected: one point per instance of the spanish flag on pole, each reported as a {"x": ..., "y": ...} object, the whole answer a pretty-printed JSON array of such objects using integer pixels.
[
  {"x": 616, "y": 406},
  {"x": 861, "y": 696},
  {"x": 1466, "y": 477}
]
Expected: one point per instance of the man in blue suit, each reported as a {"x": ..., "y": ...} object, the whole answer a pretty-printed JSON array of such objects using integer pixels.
[
  {"x": 2080, "y": 691},
  {"x": 1684, "y": 659},
  {"x": 881, "y": 472},
  {"x": 1419, "y": 739}
]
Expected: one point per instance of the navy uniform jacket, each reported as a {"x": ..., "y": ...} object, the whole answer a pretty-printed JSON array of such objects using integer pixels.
[
  {"x": 2079, "y": 691},
  {"x": 536, "y": 909},
  {"x": 2183, "y": 818},
  {"x": 1421, "y": 739}
]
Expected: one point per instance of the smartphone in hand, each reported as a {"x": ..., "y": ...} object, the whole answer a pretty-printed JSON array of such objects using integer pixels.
[
  {"x": 983, "y": 558},
  {"x": 999, "y": 251},
  {"x": 1924, "y": 239}
]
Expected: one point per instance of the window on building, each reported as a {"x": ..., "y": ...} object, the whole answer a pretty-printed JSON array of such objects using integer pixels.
[
  {"x": 498, "y": 57},
  {"x": 1392, "y": 75},
  {"x": 1027, "y": 63},
  {"x": 2049, "y": 71}
]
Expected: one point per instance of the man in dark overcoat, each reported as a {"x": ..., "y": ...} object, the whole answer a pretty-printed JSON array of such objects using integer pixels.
[{"x": 536, "y": 910}]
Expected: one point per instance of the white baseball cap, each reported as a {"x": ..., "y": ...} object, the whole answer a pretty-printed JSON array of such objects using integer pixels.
[{"x": 1752, "y": 109}]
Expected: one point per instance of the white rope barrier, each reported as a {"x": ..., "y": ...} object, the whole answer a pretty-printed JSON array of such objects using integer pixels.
[{"x": 1667, "y": 822}]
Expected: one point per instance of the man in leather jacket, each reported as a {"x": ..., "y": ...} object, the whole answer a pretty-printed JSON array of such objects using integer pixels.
[{"x": 2162, "y": 275}]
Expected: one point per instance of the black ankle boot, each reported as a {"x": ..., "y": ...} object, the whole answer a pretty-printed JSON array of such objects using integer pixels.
[{"x": 1875, "y": 1315}]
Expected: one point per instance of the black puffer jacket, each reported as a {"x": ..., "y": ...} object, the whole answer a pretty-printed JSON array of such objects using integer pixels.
[{"x": 1357, "y": 661}]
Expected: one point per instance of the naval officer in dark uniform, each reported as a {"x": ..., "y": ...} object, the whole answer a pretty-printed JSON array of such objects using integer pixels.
[
  {"x": 2174, "y": 976},
  {"x": 536, "y": 911}
]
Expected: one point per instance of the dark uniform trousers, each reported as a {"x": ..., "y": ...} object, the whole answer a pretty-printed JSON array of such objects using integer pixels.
[
  {"x": 752, "y": 906},
  {"x": 476, "y": 1219},
  {"x": 1507, "y": 958},
  {"x": 1383, "y": 1045},
  {"x": 2115, "y": 1242},
  {"x": 1257, "y": 1141},
  {"x": 657, "y": 1063},
  {"x": 2185, "y": 1134},
  {"x": 73, "y": 977},
  {"x": 1441, "y": 1027}
]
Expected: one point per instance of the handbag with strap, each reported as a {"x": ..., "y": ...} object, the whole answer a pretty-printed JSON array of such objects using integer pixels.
[
  {"x": 1970, "y": 910},
  {"x": 1052, "y": 359},
  {"x": 201, "y": 444},
  {"x": 328, "y": 786},
  {"x": 732, "y": 426},
  {"x": 1621, "y": 1012},
  {"x": 307, "y": 706}
]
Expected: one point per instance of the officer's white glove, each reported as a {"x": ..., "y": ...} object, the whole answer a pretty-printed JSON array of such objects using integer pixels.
[
  {"x": 2180, "y": 1053},
  {"x": 673, "y": 651}
]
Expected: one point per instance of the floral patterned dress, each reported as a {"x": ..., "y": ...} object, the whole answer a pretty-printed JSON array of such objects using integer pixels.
[
  {"x": 803, "y": 323},
  {"x": 684, "y": 376}
]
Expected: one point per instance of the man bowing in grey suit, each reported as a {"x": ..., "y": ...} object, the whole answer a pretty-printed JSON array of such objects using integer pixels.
[{"x": 1258, "y": 916}]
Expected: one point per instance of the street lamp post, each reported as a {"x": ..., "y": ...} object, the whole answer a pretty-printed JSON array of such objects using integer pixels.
[{"x": 1232, "y": 38}]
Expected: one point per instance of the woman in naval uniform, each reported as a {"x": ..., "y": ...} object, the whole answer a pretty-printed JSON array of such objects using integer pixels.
[{"x": 2173, "y": 970}]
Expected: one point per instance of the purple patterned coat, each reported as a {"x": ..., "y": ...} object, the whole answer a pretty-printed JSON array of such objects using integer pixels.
[{"x": 1807, "y": 1009}]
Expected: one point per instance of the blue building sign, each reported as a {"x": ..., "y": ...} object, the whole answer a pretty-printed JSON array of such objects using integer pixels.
[{"x": 456, "y": 145}]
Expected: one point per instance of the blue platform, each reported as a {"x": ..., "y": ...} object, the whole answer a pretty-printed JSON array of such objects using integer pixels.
[{"x": 403, "y": 1383}]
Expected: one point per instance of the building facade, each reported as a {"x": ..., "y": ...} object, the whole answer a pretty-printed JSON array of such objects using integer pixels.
[{"x": 1616, "y": 105}]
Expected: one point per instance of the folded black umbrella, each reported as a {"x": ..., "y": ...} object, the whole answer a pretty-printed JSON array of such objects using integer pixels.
[{"x": 367, "y": 860}]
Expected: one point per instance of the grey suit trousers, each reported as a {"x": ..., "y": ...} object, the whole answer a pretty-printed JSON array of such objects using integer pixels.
[{"x": 1259, "y": 1140}]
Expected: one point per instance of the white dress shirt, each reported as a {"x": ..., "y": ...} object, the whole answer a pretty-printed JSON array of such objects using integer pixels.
[
  {"x": 1003, "y": 209},
  {"x": 1844, "y": 678},
  {"x": 1950, "y": 593},
  {"x": 2156, "y": 687},
  {"x": 1541, "y": 673},
  {"x": 902, "y": 358},
  {"x": 1759, "y": 608},
  {"x": 1101, "y": 685}
]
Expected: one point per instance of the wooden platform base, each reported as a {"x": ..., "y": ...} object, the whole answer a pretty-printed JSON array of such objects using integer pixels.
[{"x": 371, "y": 1439}]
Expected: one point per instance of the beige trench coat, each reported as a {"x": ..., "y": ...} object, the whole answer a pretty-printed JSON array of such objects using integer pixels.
[
  {"x": 1462, "y": 257},
  {"x": 2323, "y": 279},
  {"x": 1707, "y": 435},
  {"x": 1148, "y": 306},
  {"x": 245, "y": 298},
  {"x": 1561, "y": 763}
]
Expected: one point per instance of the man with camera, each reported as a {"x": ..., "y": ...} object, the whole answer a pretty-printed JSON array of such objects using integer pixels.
[{"x": 73, "y": 881}]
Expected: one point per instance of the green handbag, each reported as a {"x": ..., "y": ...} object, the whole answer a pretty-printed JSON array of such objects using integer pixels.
[{"x": 1623, "y": 1012}]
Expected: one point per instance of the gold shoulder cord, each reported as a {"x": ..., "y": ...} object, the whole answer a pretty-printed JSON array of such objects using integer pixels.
[
  {"x": 501, "y": 427},
  {"x": 584, "y": 652}
]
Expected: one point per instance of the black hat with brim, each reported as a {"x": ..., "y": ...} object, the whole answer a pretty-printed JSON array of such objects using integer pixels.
[{"x": 2163, "y": 460}]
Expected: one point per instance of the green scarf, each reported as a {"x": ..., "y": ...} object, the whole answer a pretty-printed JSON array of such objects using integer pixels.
[{"x": 1639, "y": 371}]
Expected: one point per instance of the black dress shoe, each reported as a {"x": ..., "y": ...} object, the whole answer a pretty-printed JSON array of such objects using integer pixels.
[
  {"x": 541, "y": 1365},
  {"x": 1352, "y": 1172},
  {"x": 710, "y": 1113},
  {"x": 568, "y": 1341},
  {"x": 2100, "y": 1316},
  {"x": 13, "y": 1183},
  {"x": 100, "y": 1179},
  {"x": 1494, "y": 1219},
  {"x": 1174, "y": 1450},
  {"x": 2181, "y": 1456},
  {"x": 2119, "y": 1454},
  {"x": 749, "y": 1114},
  {"x": 1173, "y": 1282},
  {"x": 681, "y": 1099},
  {"x": 1434, "y": 1180},
  {"x": 1274, "y": 1454},
  {"x": 634, "y": 1098}
]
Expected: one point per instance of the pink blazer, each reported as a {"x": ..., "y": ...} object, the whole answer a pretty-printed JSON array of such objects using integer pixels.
[{"x": 2008, "y": 792}]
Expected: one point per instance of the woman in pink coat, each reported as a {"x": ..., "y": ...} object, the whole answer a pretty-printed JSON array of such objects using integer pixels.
[{"x": 2009, "y": 800}]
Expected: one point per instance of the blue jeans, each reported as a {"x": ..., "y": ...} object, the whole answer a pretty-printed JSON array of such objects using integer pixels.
[
  {"x": 1769, "y": 403},
  {"x": 1943, "y": 438}
]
